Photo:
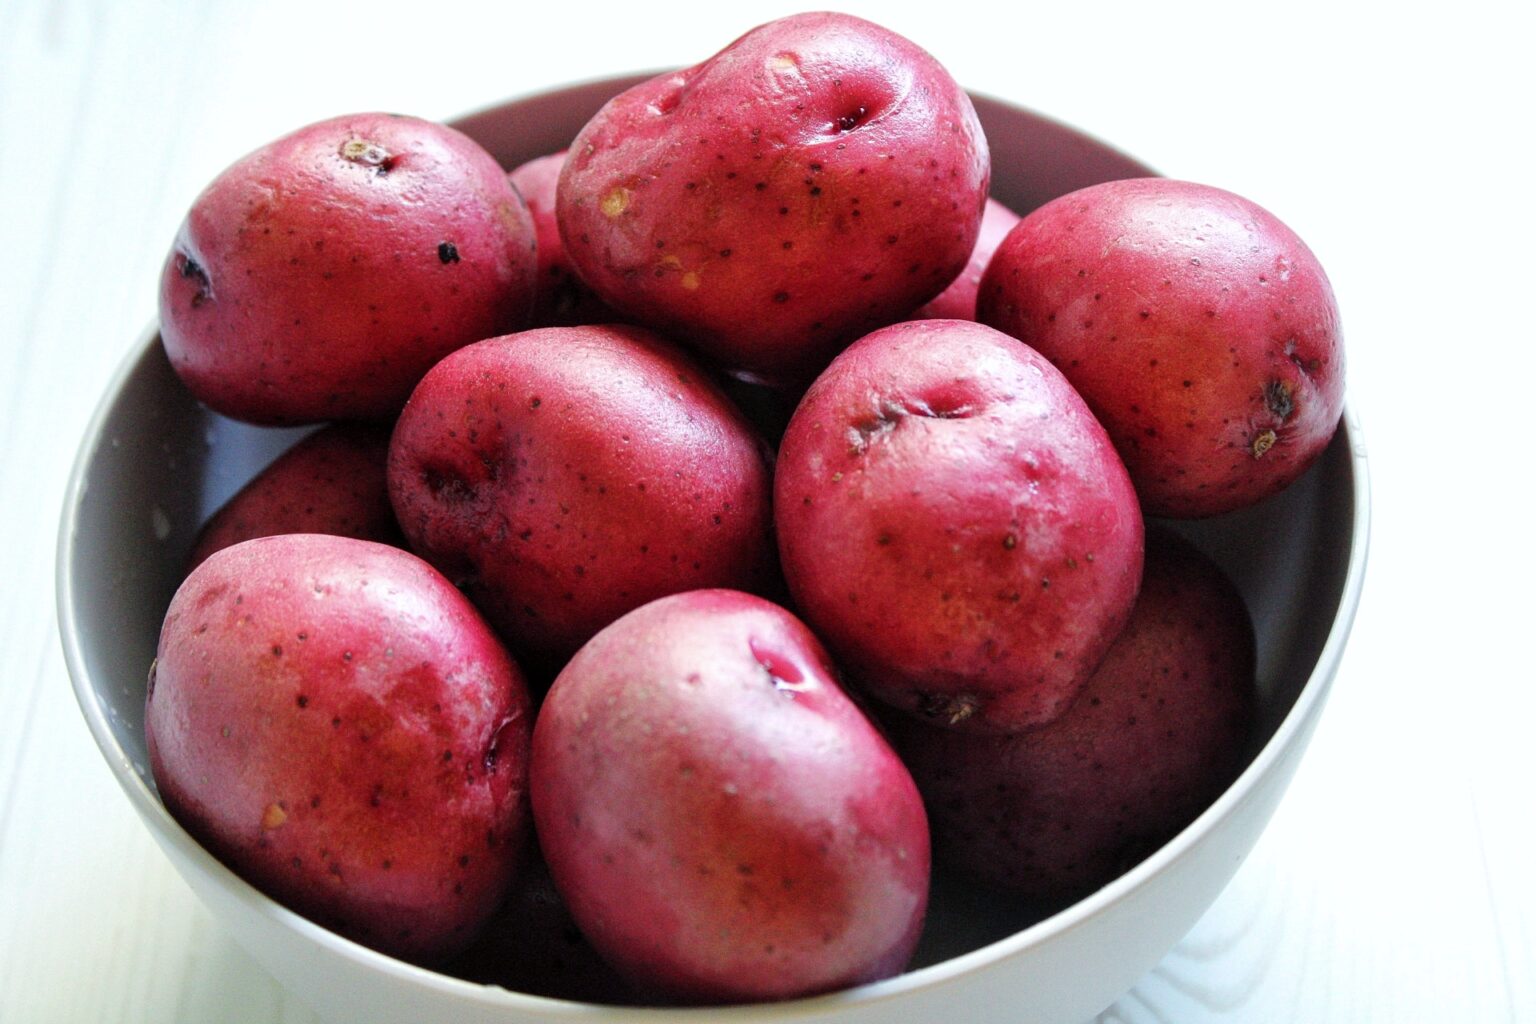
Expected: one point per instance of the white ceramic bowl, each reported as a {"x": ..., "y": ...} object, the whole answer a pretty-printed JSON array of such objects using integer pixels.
[{"x": 154, "y": 464}]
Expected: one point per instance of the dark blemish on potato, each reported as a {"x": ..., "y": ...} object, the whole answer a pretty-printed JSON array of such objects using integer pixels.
[
  {"x": 336, "y": 722},
  {"x": 368, "y": 154},
  {"x": 346, "y": 655},
  {"x": 781, "y": 297},
  {"x": 761, "y": 186},
  {"x": 277, "y": 650},
  {"x": 447, "y": 252},
  {"x": 1263, "y": 443},
  {"x": 302, "y": 701},
  {"x": 952, "y": 708},
  {"x": 783, "y": 210},
  {"x": 189, "y": 268},
  {"x": 1277, "y": 398},
  {"x": 815, "y": 190},
  {"x": 1010, "y": 542},
  {"x": 377, "y": 796}
]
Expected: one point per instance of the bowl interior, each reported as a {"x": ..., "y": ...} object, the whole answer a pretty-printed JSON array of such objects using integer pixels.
[{"x": 154, "y": 465}]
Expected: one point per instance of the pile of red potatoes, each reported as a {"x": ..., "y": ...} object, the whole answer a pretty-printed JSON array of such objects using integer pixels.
[{"x": 548, "y": 662}]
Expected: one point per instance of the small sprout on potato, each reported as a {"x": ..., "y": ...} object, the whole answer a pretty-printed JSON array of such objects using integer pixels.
[{"x": 1263, "y": 443}]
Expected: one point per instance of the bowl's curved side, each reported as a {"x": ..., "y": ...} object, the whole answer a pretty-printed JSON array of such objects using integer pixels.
[{"x": 153, "y": 464}]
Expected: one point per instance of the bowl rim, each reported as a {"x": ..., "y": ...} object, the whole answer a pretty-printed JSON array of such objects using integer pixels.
[{"x": 168, "y": 831}]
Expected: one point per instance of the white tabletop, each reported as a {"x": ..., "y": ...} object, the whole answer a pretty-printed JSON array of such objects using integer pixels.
[{"x": 1395, "y": 882}]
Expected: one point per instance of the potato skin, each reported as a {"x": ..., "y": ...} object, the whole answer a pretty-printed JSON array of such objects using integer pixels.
[
  {"x": 566, "y": 475},
  {"x": 562, "y": 299},
  {"x": 334, "y": 721},
  {"x": 956, "y": 526},
  {"x": 320, "y": 276},
  {"x": 1201, "y": 331},
  {"x": 958, "y": 301},
  {"x": 723, "y": 821},
  {"x": 1161, "y": 729},
  {"x": 330, "y": 482},
  {"x": 819, "y": 177}
]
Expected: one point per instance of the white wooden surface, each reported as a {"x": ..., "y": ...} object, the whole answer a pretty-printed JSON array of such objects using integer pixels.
[{"x": 1396, "y": 882}]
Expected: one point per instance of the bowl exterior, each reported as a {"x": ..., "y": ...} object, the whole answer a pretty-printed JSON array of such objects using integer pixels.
[{"x": 146, "y": 476}]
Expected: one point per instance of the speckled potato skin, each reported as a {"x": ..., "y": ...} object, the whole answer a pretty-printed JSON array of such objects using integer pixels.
[
  {"x": 724, "y": 822},
  {"x": 1162, "y": 728},
  {"x": 320, "y": 276},
  {"x": 819, "y": 177},
  {"x": 562, "y": 300},
  {"x": 566, "y": 475},
  {"x": 330, "y": 482},
  {"x": 1202, "y": 332},
  {"x": 955, "y": 525},
  {"x": 958, "y": 301},
  {"x": 334, "y": 721}
]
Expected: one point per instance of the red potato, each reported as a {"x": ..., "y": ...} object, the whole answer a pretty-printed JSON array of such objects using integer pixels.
[
  {"x": 1201, "y": 331},
  {"x": 958, "y": 301},
  {"x": 334, "y": 721},
  {"x": 819, "y": 177},
  {"x": 956, "y": 526},
  {"x": 723, "y": 821},
  {"x": 562, "y": 299},
  {"x": 569, "y": 474},
  {"x": 320, "y": 276},
  {"x": 1057, "y": 811},
  {"x": 330, "y": 482}
]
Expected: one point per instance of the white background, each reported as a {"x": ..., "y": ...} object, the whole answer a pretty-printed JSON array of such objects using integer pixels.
[{"x": 1396, "y": 881}]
